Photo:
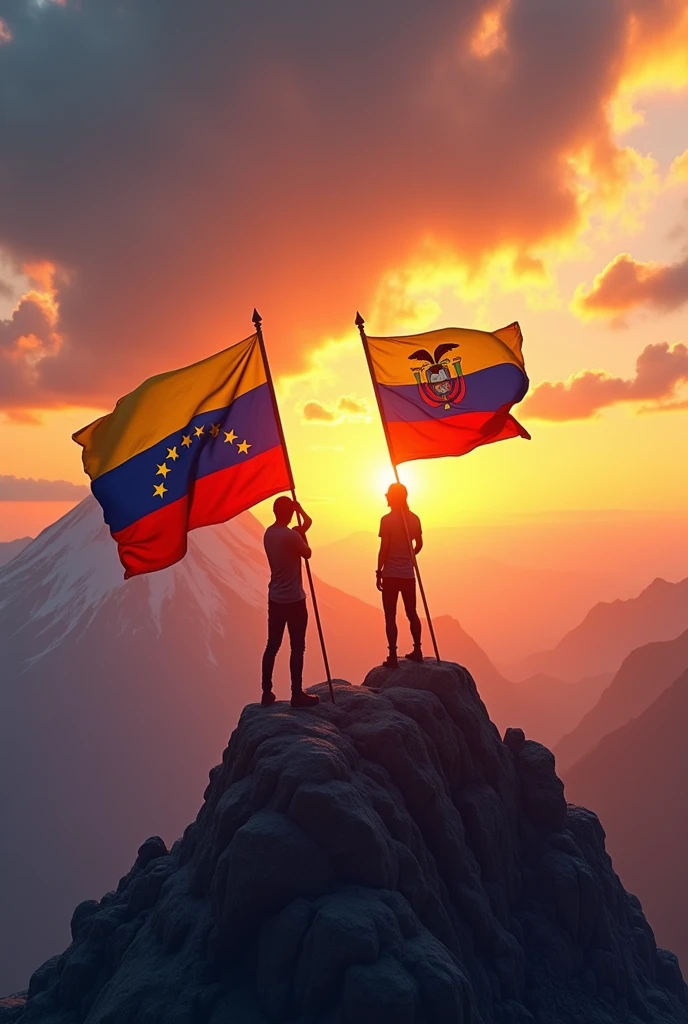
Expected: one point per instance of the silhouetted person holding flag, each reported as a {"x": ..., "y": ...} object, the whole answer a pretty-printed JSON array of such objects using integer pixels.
[
  {"x": 401, "y": 538},
  {"x": 285, "y": 547}
]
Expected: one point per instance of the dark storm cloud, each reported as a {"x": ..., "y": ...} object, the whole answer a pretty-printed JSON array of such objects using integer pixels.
[{"x": 180, "y": 162}]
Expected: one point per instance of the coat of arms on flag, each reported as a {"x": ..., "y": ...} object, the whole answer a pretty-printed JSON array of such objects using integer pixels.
[{"x": 440, "y": 387}]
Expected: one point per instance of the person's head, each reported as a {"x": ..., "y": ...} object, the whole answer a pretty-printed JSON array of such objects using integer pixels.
[
  {"x": 283, "y": 507},
  {"x": 397, "y": 496}
]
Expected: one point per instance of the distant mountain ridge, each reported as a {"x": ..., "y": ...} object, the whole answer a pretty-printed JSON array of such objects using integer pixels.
[
  {"x": 646, "y": 673},
  {"x": 636, "y": 780},
  {"x": 611, "y": 630},
  {"x": 10, "y": 548},
  {"x": 476, "y": 589}
]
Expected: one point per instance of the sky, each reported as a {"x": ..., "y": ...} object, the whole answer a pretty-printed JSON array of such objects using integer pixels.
[{"x": 165, "y": 167}]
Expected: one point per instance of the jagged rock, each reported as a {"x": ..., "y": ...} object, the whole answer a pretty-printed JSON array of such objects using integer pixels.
[
  {"x": 384, "y": 859},
  {"x": 542, "y": 792},
  {"x": 148, "y": 851},
  {"x": 514, "y": 739}
]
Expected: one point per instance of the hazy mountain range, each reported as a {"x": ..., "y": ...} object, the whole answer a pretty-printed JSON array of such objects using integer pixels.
[
  {"x": 611, "y": 630},
  {"x": 512, "y": 609},
  {"x": 519, "y": 585},
  {"x": 643, "y": 676},
  {"x": 10, "y": 548},
  {"x": 636, "y": 780}
]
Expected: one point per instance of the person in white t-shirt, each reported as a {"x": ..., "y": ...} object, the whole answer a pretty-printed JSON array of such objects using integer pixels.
[
  {"x": 285, "y": 548},
  {"x": 401, "y": 538}
]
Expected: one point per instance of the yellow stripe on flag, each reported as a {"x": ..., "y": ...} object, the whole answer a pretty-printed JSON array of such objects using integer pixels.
[
  {"x": 166, "y": 403},
  {"x": 478, "y": 350}
]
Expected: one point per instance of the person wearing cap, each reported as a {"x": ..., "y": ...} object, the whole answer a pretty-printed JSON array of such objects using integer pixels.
[
  {"x": 401, "y": 539},
  {"x": 285, "y": 548}
]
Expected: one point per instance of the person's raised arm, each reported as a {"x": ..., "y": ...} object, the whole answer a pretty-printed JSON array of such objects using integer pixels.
[{"x": 306, "y": 521}]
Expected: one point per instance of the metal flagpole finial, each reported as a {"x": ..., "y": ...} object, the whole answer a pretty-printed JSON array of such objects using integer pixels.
[
  {"x": 359, "y": 321},
  {"x": 256, "y": 318}
]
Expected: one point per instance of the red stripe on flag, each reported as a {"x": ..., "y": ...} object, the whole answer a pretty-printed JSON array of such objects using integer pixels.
[
  {"x": 158, "y": 540},
  {"x": 220, "y": 496},
  {"x": 454, "y": 435}
]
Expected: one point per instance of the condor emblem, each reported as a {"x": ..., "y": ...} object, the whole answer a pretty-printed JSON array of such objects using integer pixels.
[{"x": 441, "y": 387}]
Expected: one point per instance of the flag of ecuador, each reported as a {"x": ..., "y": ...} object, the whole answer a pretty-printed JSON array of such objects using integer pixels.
[
  {"x": 447, "y": 392},
  {"x": 188, "y": 448}
]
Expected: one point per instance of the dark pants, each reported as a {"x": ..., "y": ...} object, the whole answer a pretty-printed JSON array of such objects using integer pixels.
[
  {"x": 293, "y": 615},
  {"x": 392, "y": 586}
]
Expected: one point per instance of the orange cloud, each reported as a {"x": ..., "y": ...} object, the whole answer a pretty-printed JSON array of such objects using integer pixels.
[
  {"x": 344, "y": 410},
  {"x": 316, "y": 412},
  {"x": 678, "y": 171},
  {"x": 626, "y": 283},
  {"x": 42, "y": 275},
  {"x": 660, "y": 371},
  {"x": 31, "y": 334},
  {"x": 491, "y": 36},
  {"x": 478, "y": 125},
  {"x": 5, "y": 34},
  {"x": 655, "y": 61}
]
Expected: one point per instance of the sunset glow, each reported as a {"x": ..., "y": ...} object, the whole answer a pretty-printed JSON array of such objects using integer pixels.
[
  {"x": 565, "y": 211},
  {"x": 257, "y": 263}
]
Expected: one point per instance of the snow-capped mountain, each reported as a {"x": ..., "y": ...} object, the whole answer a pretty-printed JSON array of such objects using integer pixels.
[{"x": 58, "y": 587}]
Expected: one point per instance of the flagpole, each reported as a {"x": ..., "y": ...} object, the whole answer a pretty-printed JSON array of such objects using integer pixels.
[
  {"x": 360, "y": 323},
  {"x": 258, "y": 323}
]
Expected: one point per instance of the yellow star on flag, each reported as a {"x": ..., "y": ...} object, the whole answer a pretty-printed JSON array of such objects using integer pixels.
[
  {"x": 230, "y": 436},
  {"x": 215, "y": 429},
  {"x": 199, "y": 431},
  {"x": 163, "y": 470},
  {"x": 172, "y": 453},
  {"x": 186, "y": 440},
  {"x": 159, "y": 490},
  {"x": 244, "y": 447}
]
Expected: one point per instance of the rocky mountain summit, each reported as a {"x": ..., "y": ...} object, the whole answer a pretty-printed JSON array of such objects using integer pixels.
[
  {"x": 93, "y": 666},
  {"x": 387, "y": 858}
]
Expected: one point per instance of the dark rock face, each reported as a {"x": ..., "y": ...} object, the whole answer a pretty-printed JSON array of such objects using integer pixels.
[
  {"x": 385, "y": 859},
  {"x": 148, "y": 851}
]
